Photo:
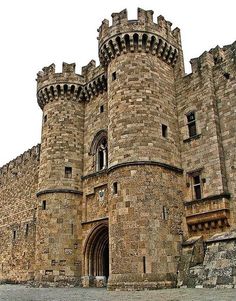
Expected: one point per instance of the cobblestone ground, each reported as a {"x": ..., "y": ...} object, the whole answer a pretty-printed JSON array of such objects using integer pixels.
[{"x": 23, "y": 293}]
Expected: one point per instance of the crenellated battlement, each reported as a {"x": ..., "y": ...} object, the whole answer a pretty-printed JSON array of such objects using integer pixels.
[
  {"x": 223, "y": 58},
  {"x": 138, "y": 35},
  {"x": 68, "y": 84},
  {"x": 53, "y": 85},
  {"x": 13, "y": 166},
  {"x": 91, "y": 71},
  {"x": 48, "y": 76}
]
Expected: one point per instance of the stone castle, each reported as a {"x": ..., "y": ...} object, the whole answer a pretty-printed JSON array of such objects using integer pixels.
[{"x": 133, "y": 183}]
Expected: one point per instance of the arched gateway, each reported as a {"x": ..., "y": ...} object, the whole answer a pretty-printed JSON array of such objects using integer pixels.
[{"x": 96, "y": 256}]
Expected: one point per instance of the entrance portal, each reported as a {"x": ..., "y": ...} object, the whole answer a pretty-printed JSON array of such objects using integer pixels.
[{"x": 96, "y": 255}]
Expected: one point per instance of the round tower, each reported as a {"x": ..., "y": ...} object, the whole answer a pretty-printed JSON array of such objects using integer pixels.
[
  {"x": 143, "y": 60},
  {"x": 60, "y": 187}
]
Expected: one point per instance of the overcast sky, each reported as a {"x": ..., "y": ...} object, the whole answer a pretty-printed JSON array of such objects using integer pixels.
[{"x": 36, "y": 33}]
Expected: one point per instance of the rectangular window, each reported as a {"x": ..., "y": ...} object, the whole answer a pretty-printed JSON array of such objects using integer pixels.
[
  {"x": 192, "y": 129},
  {"x": 68, "y": 172},
  {"x": 44, "y": 205},
  {"x": 101, "y": 108},
  {"x": 113, "y": 76},
  {"x": 164, "y": 130},
  {"x": 115, "y": 188},
  {"x": 14, "y": 234},
  {"x": 144, "y": 264},
  {"x": 197, "y": 187},
  {"x": 164, "y": 213},
  {"x": 27, "y": 230}
]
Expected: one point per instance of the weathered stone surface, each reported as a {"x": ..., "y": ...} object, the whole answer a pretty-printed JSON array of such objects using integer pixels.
[{"x": 127, "y": 188}]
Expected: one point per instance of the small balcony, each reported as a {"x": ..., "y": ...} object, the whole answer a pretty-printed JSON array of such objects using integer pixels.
[{"x": 208, "y": 213}]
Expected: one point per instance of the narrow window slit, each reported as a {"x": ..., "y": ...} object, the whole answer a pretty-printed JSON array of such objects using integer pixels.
[
  {"x": 164, "y": 130},
  {"x": 44, "y": 205},
  {"x": 144, "y": 264},
  {"x": 113, "y": 76},
  {"x": 115, "y": 188}
]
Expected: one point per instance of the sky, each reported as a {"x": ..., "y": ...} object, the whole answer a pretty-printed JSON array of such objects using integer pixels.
[{"x": 36, "y": 33}]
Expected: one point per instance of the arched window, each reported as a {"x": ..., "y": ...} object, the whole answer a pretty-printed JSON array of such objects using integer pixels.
[
  {"x": 102, "y": 155},
  {"x": 99, "y": 150}
]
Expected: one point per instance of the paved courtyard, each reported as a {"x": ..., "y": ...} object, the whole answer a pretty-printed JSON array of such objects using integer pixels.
[{"x": 24, "y": 293}]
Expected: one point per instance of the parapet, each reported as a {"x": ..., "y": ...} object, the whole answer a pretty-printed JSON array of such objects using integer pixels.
[
  {"x": 52, "y": 84},
  {"x": 91, "y": 71},
  {"x": 68, "y": 84},
  {"x": 48, "y": 76},
  {"x": 138, "y": 35},
  {"x": 144, "y": 21},
  {"x": 13, "y": 166},
  {"x": 222, "y": 58}
]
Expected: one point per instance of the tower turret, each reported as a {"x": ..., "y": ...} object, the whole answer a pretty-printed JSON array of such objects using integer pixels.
[
  {"x": 61, "y": 165},
  {"x": 141, "y": 35},
  {"x": 143, "y": 59}
]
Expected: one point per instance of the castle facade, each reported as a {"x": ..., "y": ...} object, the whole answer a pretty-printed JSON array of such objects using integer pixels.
[{"x": 133, "y": 183}]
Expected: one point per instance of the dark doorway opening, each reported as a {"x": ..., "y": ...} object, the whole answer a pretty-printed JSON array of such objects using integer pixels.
[
  {"x": 97, "y": 252},
  {"x": 106, "y": 261}
]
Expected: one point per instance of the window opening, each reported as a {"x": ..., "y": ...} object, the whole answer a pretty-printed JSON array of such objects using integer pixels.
[
  {"x": 197, "y": 187},
  {"x": 100, "y": 159},
  {"x": 44, "y": 205},
  {"x": 14, "y": 234},
  {"x": 164, "y": 213},
  {"x": 102, "y": 155},
  {"x": 115, "y": 188},
  {"x": 113, "y": 76},
  {"x": 164, "y": 130},
  {"x": 144, "y": 264},
  {"x": 68, "y": 172},
  {"x": 192, "y": 129},
  {"x": 101, "y": 108},
  {"x": 27, "y": 230}
]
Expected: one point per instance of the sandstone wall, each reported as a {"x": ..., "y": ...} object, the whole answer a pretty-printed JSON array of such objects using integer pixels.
[
  {"x": 58, "y": 231},
  {"x": 18, "y": 186},
  {"x": 141, "y": 100},
  {"x": 62, "y": 145},
  {"x": 196, "y": 93},
  {"x": 142, "y": 202},
  {"x": 94, "y": 121},
  {"x": 224, "y": 73},
  {"x": 58, "y": 239},
  {"x": 145, "y": 227},
  {"x": 95, "y": 198},
  {"x": 209, "y": 92}
]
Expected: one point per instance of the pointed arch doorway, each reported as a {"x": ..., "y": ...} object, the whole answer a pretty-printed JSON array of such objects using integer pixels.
[{"x": 96, "y": 252}]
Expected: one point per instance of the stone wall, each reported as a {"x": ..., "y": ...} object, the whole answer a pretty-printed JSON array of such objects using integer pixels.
[
  {"x": 59, "y": 203},
  {"x": 145, "y": 219},
  {"x": 96, "y": 120},
  {"x": 58, "y": 240},
  {"x": 209, "y": 92},
  {"x": 95, "y": 198},
  {"x": 141, "y": 202},
  {"x": 218, "y": 269},
  {"x": 224, "y": 74},
  {"x": 141, "y": 101},
  {"x": 18, "y": 186}
]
